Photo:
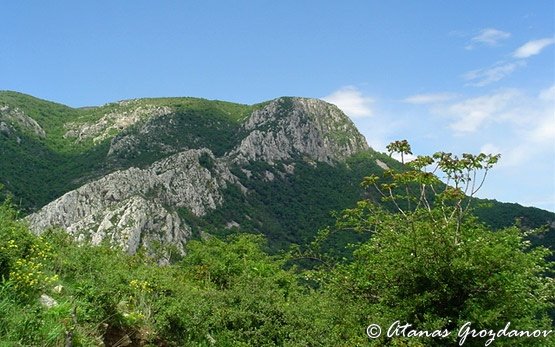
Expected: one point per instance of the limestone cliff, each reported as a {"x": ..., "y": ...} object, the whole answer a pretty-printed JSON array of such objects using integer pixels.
[
  {"x": 114, "y": 121},
  {"x": 135, "y": 207},
  {"x": 14, "y": 117},
  {"x": 298, "y": 127}
]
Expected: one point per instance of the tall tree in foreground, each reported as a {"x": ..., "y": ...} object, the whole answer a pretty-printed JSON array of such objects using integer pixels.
[{"x": 432, "y": 265}]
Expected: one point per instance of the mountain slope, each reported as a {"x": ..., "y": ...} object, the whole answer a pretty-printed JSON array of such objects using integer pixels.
[
  {"x": 157, "y": 172},
  {"x": 137, "y": 206},
  {"x": 83, "y": 144},
  {"x": 288, "y": 127},
  {"x": 174, "y": 166}
]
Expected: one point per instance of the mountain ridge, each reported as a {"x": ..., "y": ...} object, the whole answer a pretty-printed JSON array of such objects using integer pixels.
[
  {"x": 130, "y": 203},
  {"x": 277, "y": 167}
]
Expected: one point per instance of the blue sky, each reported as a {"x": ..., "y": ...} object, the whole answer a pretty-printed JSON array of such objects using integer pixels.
[{"x": 457, "y": 76}]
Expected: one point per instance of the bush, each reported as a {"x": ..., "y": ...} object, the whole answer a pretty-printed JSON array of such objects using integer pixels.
[{"x": 434, "y": 266}]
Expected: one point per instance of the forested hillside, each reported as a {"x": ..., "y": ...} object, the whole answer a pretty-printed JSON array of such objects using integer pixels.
[
  {"x": 431, "y": 267},
  {"x": 188, "y": 222},
  {"x": 277, "y": 168}
]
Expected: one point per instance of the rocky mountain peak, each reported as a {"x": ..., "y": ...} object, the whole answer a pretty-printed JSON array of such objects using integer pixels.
[
  {"x": 149, "y": 200},
  {"x": 290, "y": 127}
]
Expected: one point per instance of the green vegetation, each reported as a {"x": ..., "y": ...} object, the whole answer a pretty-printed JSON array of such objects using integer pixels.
[
  {"x": 222, "y": 293},
  {"x": 428, "y": 263},
  {"x": 181, "y": 130},
  {"x": 37, "y": 170},
  {"x": 53, "y": 117},
  {"x": 38, "y": 175},
  {"x": 289, "y": 208},
  {"x": 433, "y": 265},
  {"x": 412, "y": 249}
]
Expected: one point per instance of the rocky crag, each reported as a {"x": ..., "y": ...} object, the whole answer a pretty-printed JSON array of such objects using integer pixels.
[
  {"x": 155, "y": 173},
  {"x": 138, "y": 207}
]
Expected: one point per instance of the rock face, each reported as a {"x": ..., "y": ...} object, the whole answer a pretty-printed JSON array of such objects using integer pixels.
[
  {"x": 125, "y": 143},
  {"x": 10, "y": 117},
  {"x": 292, "y": 127},
  {"x": 113, "y": 121},
  {"x": 135, "y": 208}
]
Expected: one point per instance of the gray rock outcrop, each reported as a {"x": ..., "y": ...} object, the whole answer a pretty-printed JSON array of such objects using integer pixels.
[
  {"x": 291, "y": 127},
  {"x": 136, "y": 207},
  {"x": 16, "y": 117},
  {"x": 113, "y": 122}
]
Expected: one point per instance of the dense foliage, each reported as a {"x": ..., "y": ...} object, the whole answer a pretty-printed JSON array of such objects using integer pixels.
[
  {"x": 39, "y": 169},
  {"x": 435, "y": 266},
  {"x": 222, "y": 293},
  {"x": 288, "y": 209},
  {"x": 421, "y": 254},
  {"x": 430, "y": 264}
]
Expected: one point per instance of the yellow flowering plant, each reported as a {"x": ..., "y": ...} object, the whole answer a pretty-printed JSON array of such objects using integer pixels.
[{"x": 23, "y": 256}]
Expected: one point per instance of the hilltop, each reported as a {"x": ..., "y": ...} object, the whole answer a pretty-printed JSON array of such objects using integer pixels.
[{"x": 160, "y": 171}]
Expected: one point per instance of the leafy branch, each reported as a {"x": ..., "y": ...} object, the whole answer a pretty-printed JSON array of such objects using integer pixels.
[{"x": 418, "y": 188}]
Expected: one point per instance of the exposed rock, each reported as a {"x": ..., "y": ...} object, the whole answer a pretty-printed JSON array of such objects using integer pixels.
[
  {"x": 268, "y": 176},
  {"x": 123, "y": 144},
  {"x": 137, "y": 207},
  {"x": 126, "y": 143},
  {"x": 114, "y": 122},
  {"x": 382, "y": 164},
  {"x": 232, "y": 224},
  {"x": 290, "y": 169},
  {"x": 5, "y": 129},
  {"x": 47, "y": 301},
  {"x": 17, "y": 117},
  {"x": 291, "y": 127},
  {"x": 247, "y": 173}
]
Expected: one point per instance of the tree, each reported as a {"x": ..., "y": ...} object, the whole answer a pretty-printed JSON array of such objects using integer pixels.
[{"x": 433, "y": 265}]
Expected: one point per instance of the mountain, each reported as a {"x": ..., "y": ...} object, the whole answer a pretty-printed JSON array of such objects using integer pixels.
[{"x": 155, "y": 173}]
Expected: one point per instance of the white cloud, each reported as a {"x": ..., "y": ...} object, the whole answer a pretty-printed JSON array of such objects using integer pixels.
[
  {"x": 488, "y": 37},
  {"x": 544, "y": 132},
  {"x": 498, "y": 71},
  {"x": 351, "y": 101},
  {"x": 431, "y": 98},
  {"x": 516, "y": 123},
  {"x": 531, "y": 48},
  {"x": 548, "y": 94},
  {"x": 524, "y": 126},
  {"x": 472, "y": 113},
  {"x": 490, "y": 148},
  {"x": 543, "y": 129},
  {"x": 407, "y": 158}
]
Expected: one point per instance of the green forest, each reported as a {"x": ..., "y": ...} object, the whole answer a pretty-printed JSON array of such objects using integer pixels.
[
  {"x": 422, "y": 259},
  {"x": 39, "y": 169}
]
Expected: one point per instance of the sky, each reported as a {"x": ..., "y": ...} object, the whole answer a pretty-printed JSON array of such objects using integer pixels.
[{"x": 456, "y": 76}]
